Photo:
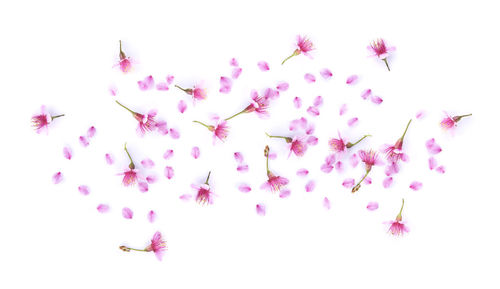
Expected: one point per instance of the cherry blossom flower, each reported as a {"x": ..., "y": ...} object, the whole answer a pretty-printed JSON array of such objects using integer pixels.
[
  {"x": 297, "y": 144},
  {"x": 198, "y": 91},
  {"x": 124, "y": 63},
  {"x": 451, "y": 122},
  {"x": 221, "y": 130},
  {"x": 381, "y": 50},
  {"x": 158, "y": 246},
  {"x": 203, "y": 194},
  {"x": 304, "y": 46},
  {"x": 398, "y": 227},
  {"x": 146, "y": 123},
  {"x": 274, "y": 183},
  {"x": 339, "y": 145},
  {"x": 259, "y": 104},
  {"x": 370, "y": 158},
  {"x": 131, "y": 176},
  {"x": 40, "y": 122},
  {"x": 394, "y": 153}
]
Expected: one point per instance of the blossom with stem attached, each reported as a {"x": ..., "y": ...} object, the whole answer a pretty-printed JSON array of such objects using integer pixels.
[
  {"x": 370, "y": 158},
  {"x": 398, "y": 227},
  {"x": 297, "y": 145},
  {"x": 40, "y": 122},
  {"x": 203, "y": 194},
  {"x": 339, "y": 145},
  {"x": 394, "y": 152},
  {"x": 130, "y": 176},
  {"x": 381, "y": 50},
  {"x": 259, "y": 105},
  {"x": 221, "y": 130},
  {"x": 198, "y": 92},
  {"x": 450, "y": 122},
  {"x": 304, "y": 45},
  {"x": 124, "y": 63},
  {"x": 146, "y": 123},
  {"x": 157, "y": 245},
  {"x": 274, "y": 183}
]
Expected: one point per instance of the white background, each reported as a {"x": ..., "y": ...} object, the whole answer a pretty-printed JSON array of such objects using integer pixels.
[{"x": 61, "y": 54}]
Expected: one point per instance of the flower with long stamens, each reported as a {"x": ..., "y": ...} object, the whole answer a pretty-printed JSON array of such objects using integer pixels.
[
  {"x": 398, "y": 227},
  {"x": 203, "y": 194},
  {"x": 297, "y": 144},
  {"x": 146, "y": 123},
  {"x": 370, "y": 158},
  {"x": 198, "y": 91},
  {"x": 450, "y": 122},
  {"x": 259, "y": 105},
  {"x": 130, "y": 176},
  {"x": 381, "y": 50},
  {"x": 221, "y": 130},
  {"x": 394, "y": 153},
  {"x": 304, "y": 46},
  {"x": 274, "y": 183},
  {"x": 40, "y": 122},
  {"x": 124, "y": 63},
  {"x": 157, "y": 245},
  {"x": 339, "y": 145}
]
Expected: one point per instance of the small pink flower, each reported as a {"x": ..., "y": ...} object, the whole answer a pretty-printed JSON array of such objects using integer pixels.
[
  {"x": 127, "y": 213},
  {"x": 337, "y": 145},
  {"x": 146, "y": 123},
  {"x": 124, "y": 63},
  {"x": 380, "y": 50},
  {"x": 41, "y": 121},
  {"x": 351, "y": 80},
  {"x": 103, "y": 208},
  {"x": 57, "y": 178},
  {"x": 326, "y": 73},
  {"x": 260, "y": 209},
  {"x": 158, "y": 246},
  {"x": 394, "y": 153},
  {"x": 304, "y": 46},
  {"x": 147, "y": 83},
  {"x": 298, "y": 147},
  {"x": 220, "y": 131},
  {"x": 398, "y": 227},
  {"x": 274, "y": 183},
  {"x": 263, "y": 66},
  {"x": 204, "y": 195},
  {"x": 259, "y": 105},
  {"x": 370, "y": 158},
  {"x": 129, "y": 177},
  {"x": 451, "y": 122},
  {"x": 198, "y": 91}
]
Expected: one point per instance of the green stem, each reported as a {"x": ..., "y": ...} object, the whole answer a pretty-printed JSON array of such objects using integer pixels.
[
  {"x": 133, "y": 112},
  {"x": 183, "y": 89},
  {"x": 288, "y": 139},
  {"x": 267, "y": 164},
  {"x": 293, "y": 54},
  {"x": 132, "y": 166},
  {"x": 243, "y": 111},
  {"x": 208, "y": 177},
  {"x": 139, "y": 250},
  {"x": 399, "y": 217},
  {"x": 56, "y": 116},
  {"x": 465, "y": 115},
  {"x": 406, "y": 129},
  {"x": 358, "y": 185},
  {"x": 386, "y": 63},
  {"x": 350, "y": 145},
  {"x": 121, "y": 47},
  {"x": 202, "y": 124}
]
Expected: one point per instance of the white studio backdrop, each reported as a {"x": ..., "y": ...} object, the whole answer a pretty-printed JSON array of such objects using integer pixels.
[{"x": 61, "y": 55}]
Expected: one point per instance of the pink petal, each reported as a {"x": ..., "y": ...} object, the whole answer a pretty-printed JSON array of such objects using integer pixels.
[
  {"x": 151, "y": 216},
  {"x": 244, "y": 188},
  {"x": 367, "y": 181},
  {"x": 84, "y": 190},
  {"x": 310, "y": 186},
  {"x": 432, "y": 147},
  {"x": 169, "y": 172},
  {"x": 233, "y": 62},
  {"x": 103, "y": 208},
  {"x": 330, "y": 159},
  {"x": 309, "y": 78},
  {"x": 351, "y": 79},
  {"x": 376, "y": 99},
  {"x": 312, "y": 140},
  {"x": 440, "y": 169},
  {"x": 298, "y": 123},
  {"x": 238, "y": 157},
  {"x": 147, "y": 83},
  {"x": 302, "y": 172},
  {"x": 182, "y": 106},
  {"x": 352, "y": 121},
  {"x": 236, "y": 73},
  {"x": 185, "y": 197},
  {"x": 170, "y": 79},
  {"x": 420, "y": 114},
  {"x": 416, "y": 186},
  {"x": 372, "y": 206},
  {"x": 147, "y": 163},
  {"x": 326, "y": 73},
  {"x": 432, "y": 163},
  {"x": 109, "y": 159},
  {"x": 67, "y": 153},
  {"x": 366, "y": 93},
  {"x": 91, "y": 132},
  {"x": 326, "y": 168},
  {"x": 225, "y": 84},
  {"x": 195, "y": 152},
  {"x": 263, "y": 66},
  {"x": 174, "y": 133},
  {"x": 162, "y": 127},
  {"x": 285, "y": 193},
  {"x": 168, "y": 154},
  {"x": 113, "y": 91},
  {"x": 143, "y": 187},
  {"x": 242, "y": 168},
  {"x": 339, "y": 166},
  {"x": 84, "y": 141},
  {"x": 348, "y": 183},
  {"x": 310, "y": 129},
  {"x": 354, "y": 160},
  {"x": 326, "y": 203},
  {"x": 272, "y": 156},
  {"x": 127, "y": 213},
  {"x": 282, "y": 86},
  {"x": 343, "y": 109},
  {"x": 391, "y": 169},
  {"x": 57, "y": 178},
  {"x": 318, "y": 101},
  {"x": 297, "y": 102},
  {"x": 261, "y": 209},
  {"x": 151, "y": 179},
  {"x": 313, "y": 111},
  {"x": 162, "y": 86},
  {"x": 387, "y": 182}
]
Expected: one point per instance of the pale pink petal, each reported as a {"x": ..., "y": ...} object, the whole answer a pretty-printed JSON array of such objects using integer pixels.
[
  {"x": 309, "y": 78},
  {"x": 351, "y": 79},
  {"x": 391, "y": 169},
  {"x": 109, "y": 159},
  {"x": 147, "y": 83},
  {"x": 352, "y": 121},
  {"x": 242, "y": 168},
  {"x": 91, "y": 132},
  {"x": 143, "y": 187},
  {"x": 354, "y": 160},
  {"x": 57, "y": 178},
  {"x": 387, "y": 182},
  {"x": 441, "y": 169},
  {"x": 312, "y": 140},
  {"x": 103, "y": 208},
  {"x": 339, "y": 166},
  {"x": 326, "y": 73},
  {"x": 285, "y": 193},
  {"x": 162, "y": 127},
  {"x": 236, "y": 73},
  {"x": 174, "y": 133},
  {"x": 326, "y": 168},
  {"x": 416, "y": 186},
  {"x": 302, "y": 172},
  {"x": 185, "y": 197},
  {"x": 67, "y": 153},
  {"x": 170, "y": 79},
  {"x": 127, "y": 213},
  {"x": 298, "y": 123},
  {"x": 372, "y": 206},
  {"x": 162, "y": 86},
  {"x": 314, "y": 111},
  {"x": 376, "y": 99},
  {"x": 318, "y": 101},
  {"x": 168, "y": 154},
  {"x": 367, "y": 181},
  {"x": 151, "y": 216},
  {"x": 326, "y": 203},
  {"x": 282, "y": 86},
  {"x": 147, "y": 163},
  {"x": 261, "y": 209},
  {"x": 84, "y": 190},
  {"x": 310, "y": 186},
  {"x": 432, "y": 147},
  {"x": 366, "y": 93},
  {"x": 272, "y": 156},
  {"x": 233, "y": 62},
  {"x": 83, "y": 141},
  {"x": 182, "y": 106},
  {"x": 297, "y": 102},
  {"x": 310, "y": 129},
  {"x": 330, "y": 159},
  {"x": 348, "y": 183},
  {"x": 225, "y": 84},
  {"x": 420, "y": 114},
  {"x": 151, "y": 179},
  {"x": 244, "y": 188},
  {"x": 238, "y": 157},
  {"x": 195, "y": 152},
  {"x": 263, "y": 66},
  {"x": 432, "y": 163},
  {"x": 169, "y": 172},
  {"x": 113, "y": 91},
  {"x": 343, "y": 109}
]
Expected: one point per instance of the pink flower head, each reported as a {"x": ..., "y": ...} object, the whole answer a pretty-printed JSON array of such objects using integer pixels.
[
  {"x": 129, "y": 177},
  {"x": 398, "y": 227},
  {"x": 198, "y": 91},
  {"x": 259, "y": 104},
  {"x": 370, "y": 158},
  {"x": 304, "y": 46},
  {"x": 274, "y": 183},
  {"x": 337, "y": 145},
  {"x": 203, "y": 194},
  {"x": 450, "y": 122},
  {"x": 158, "y": 246},
  {"x": 380, "y": 50},
  {"x": 40, "y": 122},
  {"x": 124, "y": 63},
  {"x": 298, "y": 147},
  {"x": 146, "y": 123},
  {"x": 220, "y": 131},
  {"x": 394, "y": 153}
]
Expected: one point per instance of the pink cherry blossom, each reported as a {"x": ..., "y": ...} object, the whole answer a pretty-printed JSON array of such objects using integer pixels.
[
  {"x": 337, "y": 145},
  {"x": 129, "y": 177},
  {"x": 204, "y": 195},
  {"x": 109, "y": 159},
  {"x": 348, "y": 183},
  {"x": 274, "y": 183},
  {"x": 260, "y": 209},
  {"x": 282, "y": 86},
  {"x": 310, "y": 186},
  {"x": 225, "y": 84},
  {"x": 195, "y": 152},
  {"x": 182, "y": 106},
  {"x": 147, "y": 163},
  {"x": 351, "y": 80},
  {"x": 244, "y": 188},
  {"x": 263, "y": 66},
  {"x": 370, "y": 158},
  {"x": 198, "y": 92},
  {"x": 451, "y": 122},
  {"x": 298, "y": 146},
  {"x": 258, "y": 104},
  {"x": 158, "y": 246},
  {"x": 84, "y": 190},
  {"x": 387, "y": 182},
  {"x": 398, "y": 227},
  {"x": 432, "y": 147},
  {"x": 304, "y": 46},
  {"x": 127, "y": 213},
  {"x": 146, "y": 123},
  {"x": 151, "y": 216},
  {"x": 372, "y": 206},
  {"x": 309, "y": 78},
  {"x": 297, "y": 102},
  {"x": 416, "y": 186},
  {"x": 103, "y": 208},
  {"x": 67, "y": 153},
  {"x": 326, "y": 73},
  {"x": 169, "y": 172},
  {"x": 40, "y": 122},
  {"x": 381, "y": 50},
  {"x": 302, "y": 172},
  {"x": 326, "y": 203},
  {"x": 147, "y": 83},
  {"x": 168, "y": 154},
  {"x": 366, "y": 93},
  {"x": 57, "y": 178},
  {"x": 124, "y": 63}
]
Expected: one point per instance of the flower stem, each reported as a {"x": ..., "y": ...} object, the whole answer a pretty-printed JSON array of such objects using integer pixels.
[
  {"x": 208, "y": 177},
  {"x": 386, "y": 63},
  {"x": 202, "y": 124},
  {"x": 183, "y": 89},
  {"x": 128, "y": 249},
  {"x": 56, "y": 116},
  {"x": 358, "y": 185},
  {"x": 243, "y": 111},
  {"x": 131, "y": 165},
  {"x": 131, "y": 111},
  {"x": 350, "y": 145},
  {"x": 121, "y": 47},
  {"x": 288, "y": 58},
  {"x": 288, "y": 139},
  {"x": 458, "y": 118},
  {"x": 399, "y": 217},
  {"x": 406, "y": 129}
]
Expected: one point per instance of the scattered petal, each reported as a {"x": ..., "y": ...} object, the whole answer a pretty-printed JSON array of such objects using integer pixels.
[
  {"x": 238, "y": 157},
  {"x": 109, "y": 159},
  {"x": 326, "y": 73},
  {"x": 151, "y": 179},
  {"x": 195, "y": 152},
  {"x": 185, "y": 197},
  {"x": 302, "y": 172},
  {"x": 233, "y": 62},
  {"x": 67, "y": 153},
  {"x": 297, "y": 102},
  {"x": 352, "y": 121},
  {"x": 309, "y": 78},
  {"x": 376, "y": 99},
  {"x": 151, "y": 216},
  {"x": 143, "y": 187},
  {"x": 348, "y": 183},
  {"x": 91, "y": 132},
  {"x": 225, "y": 84},
  {"x": 387, "y": 182},
  {"x": 162, "y": 86},
  {"x": 326, "y": 168},
  {"x": 432, "y": 163},
  {"x": 261, "y": 209},
  {"x": 343, "y": 109},
  {"x": 318, "y": 101},
  {"x": 330, "y": 159},
  {"x": 282, "y": 86},
  {"x": 244, "y": 188},
  {"x": 242, "y": 168},
  {"x": 312, "y": 140},
  {"x": 314, "y": 111},
  {"x": 84, "y": 141},
  {"x": 169, "y": 172},
  {"x": 351, "y": 79},
  {"x": 366, "y": 93},
  {"x": 127, "y": 213},
  {"x": 113, "y": 91},
  {"x": 420, "y": 114},
  {"x": 147, "y": 83},
  {"x": 310, "y": 129},
  {"x": 103, "y": 208},
  {"x": 285, "y": 193},
  {"x": 416, "y": 186},
  {"x": 354, "y": 160},
  {"x": 441, "y": 169},
  {"x": 84, "y": 190},
  {"x": 57, "y": 178},
  {"x": 367, "y": 181},
  {"x": 236, "y": 73},
  {"x": 339, "y": 166},
  {"x": 298, "y": 123},
  {"x": 326, "y": 203},
  {"x": 147, "y": 163},
  {"x": 168, "y": 154},
  {"x": 182, "y": 106},
  {"x": 372, "y": 206},
  {"x": 263, "y": 66},
  {"x": 432, "y": 147},
  {"x": 310, "y": 186},
  {"x": 174, "y": 133},
  {"x": 170, "y": 79}
]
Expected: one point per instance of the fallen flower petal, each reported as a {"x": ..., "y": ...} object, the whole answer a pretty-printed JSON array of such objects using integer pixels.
[
  {"x": 297, "y": 102},
  {"x": 416, "y": 186},
  {"x": 242, "y": 168},
  {"x": 351, "y": 80},
  {"x": 432, "y": 147},
  {"x": 57, "y": 178},
  {"x": 151, "y": 179},
  {"x": 376, "y": 99},
  {"x": 343, "y": 109},
  {"x": 432, "y": 163},
  {"x": 387, "y": 182},
  {"x": 366, "y": 93},
  {"x": 313, "y": 111},
  {"x": 147, "y": 83},
  {"x": 261, "y": 209},
  {"x": 225, "y": 84},
  {"x": 441, "y": 169},
  {"x": 182, "y": 106},
  {"x": 285, "y": 193},
  {"x": 151, "y": 216},
  {"x": 310, "y": 186},
  {"x": 84, "y": 141},
  {"x": 109, "y": 159},
  {"x": 326, "y": 73},
  {"x": 318, "y": 101},
  {"x": 169, "y": 172},
  {"x": 372, "y": 206},
  {"x": 147, "y": 163},
  {"x": 174, "y": 133},
  {"x": 326, "y": 203},
  {"x": 309, "y": 78},
  {"x": 351, "y": 122},
  {"x": 420, "y": 114},
  {"x": 238, "y": 157},
  {"x": 244, "y": 188},
  {"x": 67, "y": 153},
  {"x": 302, "y": 172},
  {"x": 354, "y": 160},
  {"x": 263, "y": 66},
  {"x": 168, "y": 154},
  {"x": 282, "y": 86},
  {"x": 348, "y": 183},
  {"x": 84, "y": 190},
  {"x": 127, "y": 213},
  {"x": 236, "y": 73},
  {"x": 195, "y": 152},
  {"x": 143, "y": 187},
  {"x": 91, "y": 132},
  {"x": 326, "y": 168},
  {"x": 233, "y": 62},
  {"x": 103, "y": 208}
]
